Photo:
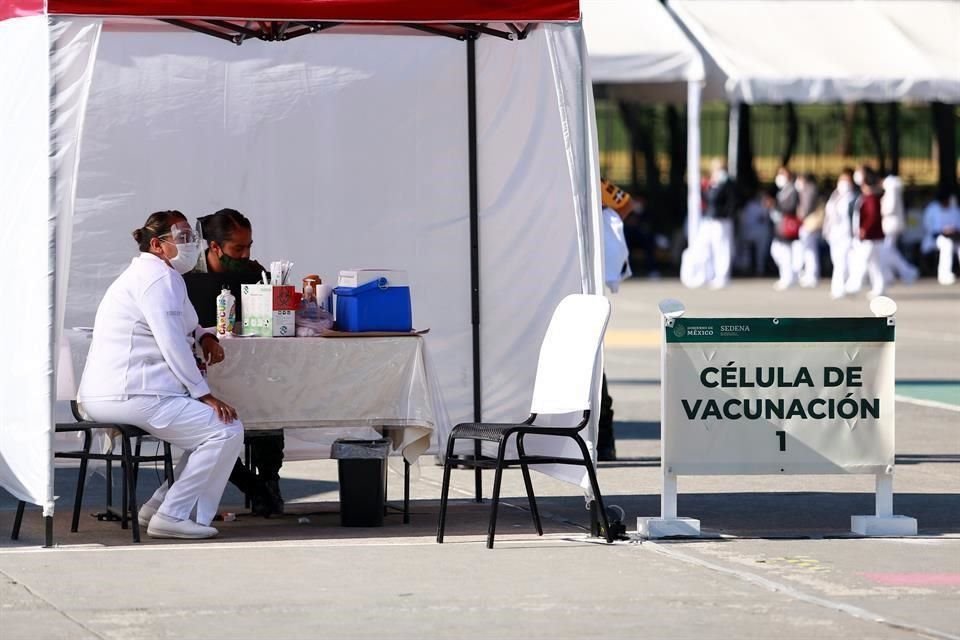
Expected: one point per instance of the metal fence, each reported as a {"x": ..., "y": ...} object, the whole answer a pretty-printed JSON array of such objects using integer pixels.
[{"x": 829, "y": 137}]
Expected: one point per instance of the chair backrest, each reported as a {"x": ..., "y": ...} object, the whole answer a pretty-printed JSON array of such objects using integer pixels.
[{"x": 568, "y": 354}]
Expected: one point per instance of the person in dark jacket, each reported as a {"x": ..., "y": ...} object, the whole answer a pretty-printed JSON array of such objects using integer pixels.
[
  {"x": 226, "y": 262},
  {"x": 866, "y": 258}
]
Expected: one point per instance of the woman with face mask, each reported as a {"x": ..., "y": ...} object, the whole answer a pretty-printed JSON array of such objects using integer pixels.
[
  {"x": 141, "y": 370},
  {"x": 226, "y": 262}
]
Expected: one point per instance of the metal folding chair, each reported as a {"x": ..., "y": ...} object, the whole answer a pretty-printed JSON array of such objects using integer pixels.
[
  {"x": 129, "y": 459},
  {"x": 563, "y": 385}
]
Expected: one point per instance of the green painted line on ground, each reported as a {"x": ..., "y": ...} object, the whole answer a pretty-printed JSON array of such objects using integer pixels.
[{"x": 939, "y": 391}]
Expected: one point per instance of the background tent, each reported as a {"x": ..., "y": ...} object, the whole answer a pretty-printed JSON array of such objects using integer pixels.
[
  {"x": 368, "y": 145},
  {"x": 821, "y": 51},
  {"x": 808, "y": 51},
  {"x": 639, "y": 53}
]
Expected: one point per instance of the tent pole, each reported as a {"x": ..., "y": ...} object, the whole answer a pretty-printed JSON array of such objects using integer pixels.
[
  {"x": 474, "y": 245},
  {"x": 693, "y": 159},
  {"x": 733, "y": 140}
]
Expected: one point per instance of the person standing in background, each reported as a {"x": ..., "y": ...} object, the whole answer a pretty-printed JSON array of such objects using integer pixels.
[
  {"x": 716, "y": 226},
  {"x": 838, "y": 231},
  {"x": 893, "y": 221},
  {"x": 806, "y": 249},
  {"x": 753, "y": 236},
  {"x": 865, "y": 257},
  {"x": 941, "y": 227},
  {"x": 617, "y": 207},
  {"x": 786, "y": 226}
]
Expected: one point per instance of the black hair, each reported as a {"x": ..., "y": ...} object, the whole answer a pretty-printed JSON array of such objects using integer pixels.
[
  {"x": 157, "y": 225},
  {"x": 219, "y": 227}
]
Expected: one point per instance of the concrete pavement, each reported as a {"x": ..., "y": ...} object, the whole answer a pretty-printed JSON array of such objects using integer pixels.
[{"x": 777, "y": 558}]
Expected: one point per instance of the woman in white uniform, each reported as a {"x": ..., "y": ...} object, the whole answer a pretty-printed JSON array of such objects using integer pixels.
[{"x": 141, "y": 370}]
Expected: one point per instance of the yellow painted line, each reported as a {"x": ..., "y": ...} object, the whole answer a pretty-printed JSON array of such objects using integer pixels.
[{"x": 632, "y": 339}]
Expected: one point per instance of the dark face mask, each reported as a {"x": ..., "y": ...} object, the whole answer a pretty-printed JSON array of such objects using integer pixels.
[{"x": 239, "y": 265}]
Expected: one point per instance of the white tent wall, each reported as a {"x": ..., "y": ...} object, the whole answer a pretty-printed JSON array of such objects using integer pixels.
[
  {"x": 351, "y": 150},
  {"x": 27, "y": 237}
]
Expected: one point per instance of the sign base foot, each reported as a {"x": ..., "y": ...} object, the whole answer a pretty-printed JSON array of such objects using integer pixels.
[
  {"x": 668, "y": 527},
  {"x": 883, "y": 526}
]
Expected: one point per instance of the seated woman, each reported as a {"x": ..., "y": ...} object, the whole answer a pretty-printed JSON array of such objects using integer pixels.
[
  {"x": 226, "y": 262},
  {"x": 141, "y": 370}
]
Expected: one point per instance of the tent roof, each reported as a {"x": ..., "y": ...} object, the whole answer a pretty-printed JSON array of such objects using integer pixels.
[
  {"x": 390, "y": 11},
  {"x": 637, "y": 42},
  {"x": 773, "y": 51}
]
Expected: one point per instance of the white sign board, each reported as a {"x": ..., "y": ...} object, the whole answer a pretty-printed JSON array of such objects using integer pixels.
[
  {"x": 770, "y": 396},
  {"x": 777, "y": 396}
]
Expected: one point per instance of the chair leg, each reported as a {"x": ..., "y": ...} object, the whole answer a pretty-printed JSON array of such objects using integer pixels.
[
  {"x": 109, "y": 471},
  {"x": 528, "y": 483},
  {"x": 18, "y": 520},
  {"x": 445, "y": 490},
  {"x": 592, "y": 474},
  {"x": 495, "y": 498},
  {"x": 477, "y": 472},
  {"x": 168, "y": 464},
  {"x": 136, "y": 457},
  {"x": 81, "y": 483},
  {"x": 130, "y": 488}
]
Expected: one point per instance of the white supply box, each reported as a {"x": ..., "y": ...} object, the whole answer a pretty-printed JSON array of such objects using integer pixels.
[{"x": 357, "y": 277}]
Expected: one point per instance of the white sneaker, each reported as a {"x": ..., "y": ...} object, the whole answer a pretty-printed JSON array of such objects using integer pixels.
[
  {"x": 162, "y": 527},
  {"x": 146, "y": 512}
]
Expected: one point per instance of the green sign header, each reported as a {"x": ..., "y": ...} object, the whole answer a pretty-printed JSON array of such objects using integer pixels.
[{"x": 702, "y": 330}]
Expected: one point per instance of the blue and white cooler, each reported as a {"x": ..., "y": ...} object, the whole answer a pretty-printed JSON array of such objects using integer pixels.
[{"x": 373, "y": 300}]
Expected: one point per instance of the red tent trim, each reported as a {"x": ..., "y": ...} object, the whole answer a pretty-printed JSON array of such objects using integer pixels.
[
  {"x": 377, "y": 11},
  {"x": 20, "y": 8}
]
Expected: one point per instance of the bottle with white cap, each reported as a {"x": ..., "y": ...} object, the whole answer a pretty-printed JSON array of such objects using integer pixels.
[{"x": 226, "y": 312}]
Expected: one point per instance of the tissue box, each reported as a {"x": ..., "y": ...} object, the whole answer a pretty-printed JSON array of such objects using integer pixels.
[
  {"x": 373, "y": 300},
  {"x": 268, "y": 311}
]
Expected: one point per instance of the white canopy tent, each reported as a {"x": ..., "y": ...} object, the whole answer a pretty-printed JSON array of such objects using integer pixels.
[
  {"x": 809, "y": 51},
  {"x": 640, "y": 54},
  {"x": 350, "y": 148}
]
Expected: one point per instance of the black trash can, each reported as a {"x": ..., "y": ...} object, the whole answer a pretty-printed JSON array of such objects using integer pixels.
[{"x": 362, "y": 470}]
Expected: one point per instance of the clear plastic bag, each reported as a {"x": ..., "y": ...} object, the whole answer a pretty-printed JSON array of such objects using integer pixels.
[
  {"x": 311, "y": 320},
  {"x": 344, "y": 448}
]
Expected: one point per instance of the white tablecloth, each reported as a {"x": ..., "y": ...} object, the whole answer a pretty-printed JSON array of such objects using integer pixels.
[
  {"x": 333, "y": 383},
  {"x": 315, "y": 383}
]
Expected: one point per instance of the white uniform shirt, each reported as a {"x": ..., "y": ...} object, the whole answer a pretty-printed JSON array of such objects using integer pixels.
[
  {"x": 143, "y": 337},
  {"x": 837, "y": 221},
  {"x": 615, "y": 252},
  {"x": 935, "y": 218}
]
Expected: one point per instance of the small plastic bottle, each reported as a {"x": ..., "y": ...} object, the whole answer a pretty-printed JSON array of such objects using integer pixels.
[
  {"x": 325, "y": 296},
  {"x": 226, "y": 312}
]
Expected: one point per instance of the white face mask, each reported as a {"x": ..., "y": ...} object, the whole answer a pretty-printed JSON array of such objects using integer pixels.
[
  {"x": 719, "y": 176},
  {"x": 781, "y": 181},
  {"x": 186, "y": 258},
  {"x": 843, "y": 187},
  {"x": 858, "y": 177}
]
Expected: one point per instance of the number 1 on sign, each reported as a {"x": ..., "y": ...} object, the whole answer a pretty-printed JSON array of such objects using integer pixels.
[{"x": 782, "y": 435}]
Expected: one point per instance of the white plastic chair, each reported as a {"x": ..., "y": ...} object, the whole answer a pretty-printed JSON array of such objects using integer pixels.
[{"x": 563, "y": 385}]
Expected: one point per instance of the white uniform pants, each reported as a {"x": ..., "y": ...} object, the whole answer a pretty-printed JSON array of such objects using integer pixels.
[
  {"x": 782, "y": 253},
  {"x": 806, "y": 257},
  {"x": 894, "y": 264},
  {"x": 947, "y": 248},
  {"x": 210, "y": 448},
  {"x": 840, "y": 257},
  {"x": 865, "y": 261},
  {"x": 717, "y": 241}
]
